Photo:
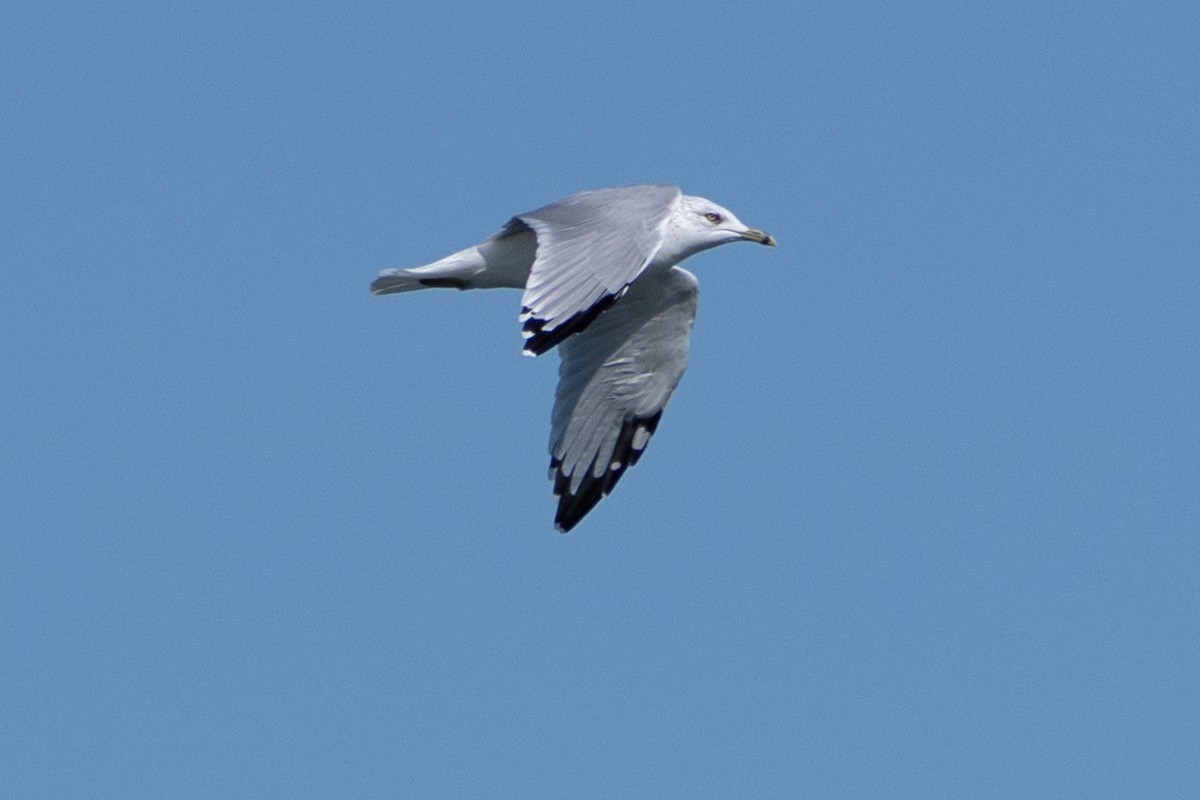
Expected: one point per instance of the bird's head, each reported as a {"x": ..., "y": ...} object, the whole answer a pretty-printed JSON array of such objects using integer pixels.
[{"x": 699, "y": 224}]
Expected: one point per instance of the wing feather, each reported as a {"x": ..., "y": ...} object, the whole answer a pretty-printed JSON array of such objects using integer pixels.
[
  {"x": 614, "y": 382},
  {"x": 590, "y": 248}
]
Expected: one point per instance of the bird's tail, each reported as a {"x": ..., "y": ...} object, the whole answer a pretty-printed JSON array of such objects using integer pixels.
[{"x": 455, "y": 271}]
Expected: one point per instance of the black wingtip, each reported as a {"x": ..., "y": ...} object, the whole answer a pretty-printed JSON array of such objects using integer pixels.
[
  {"x": 538, "y": 340},
  {"x": 572, "y": 508}
]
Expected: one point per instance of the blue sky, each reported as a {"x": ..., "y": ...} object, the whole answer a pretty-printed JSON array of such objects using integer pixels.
[{"x": 920, "y": 522}]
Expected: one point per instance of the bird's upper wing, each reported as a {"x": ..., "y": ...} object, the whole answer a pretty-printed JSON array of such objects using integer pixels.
[
  {"x": 590, "y": 248},
  {"x": 614, "y": 382}
]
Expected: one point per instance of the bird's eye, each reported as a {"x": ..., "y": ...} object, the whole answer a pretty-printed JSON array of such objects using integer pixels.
[{"x": 713, "y": 217}]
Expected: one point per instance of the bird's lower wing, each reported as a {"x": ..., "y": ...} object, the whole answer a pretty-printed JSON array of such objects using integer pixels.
[{"x": 615, "y": 380}]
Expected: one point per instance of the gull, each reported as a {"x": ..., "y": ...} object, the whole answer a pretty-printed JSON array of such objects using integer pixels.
[{"x": 602, "y": 282}]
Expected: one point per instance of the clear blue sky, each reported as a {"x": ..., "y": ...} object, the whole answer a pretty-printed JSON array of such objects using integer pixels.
[{"x": 922, "y": 520}]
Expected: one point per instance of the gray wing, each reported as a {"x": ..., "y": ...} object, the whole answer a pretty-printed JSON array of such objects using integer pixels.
[
  {"x": 614, "y": 382},
  {"x": 590, "y": 248}
]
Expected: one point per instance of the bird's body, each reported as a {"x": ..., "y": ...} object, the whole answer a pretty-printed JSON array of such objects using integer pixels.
[{"x": 600, "y": 279}]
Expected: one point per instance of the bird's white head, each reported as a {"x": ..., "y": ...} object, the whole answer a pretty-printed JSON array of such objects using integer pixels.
[{"x": 699, "y": 224}]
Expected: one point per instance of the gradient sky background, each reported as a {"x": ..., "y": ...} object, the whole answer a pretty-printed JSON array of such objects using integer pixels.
[{"x": 922, "y": 519}]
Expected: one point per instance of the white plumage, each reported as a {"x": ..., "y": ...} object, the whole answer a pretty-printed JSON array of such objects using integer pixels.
[{"x": 600, "y": 276}]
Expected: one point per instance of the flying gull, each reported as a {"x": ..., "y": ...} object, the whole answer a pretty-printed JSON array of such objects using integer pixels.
[{"x": 601, "y": 280}]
